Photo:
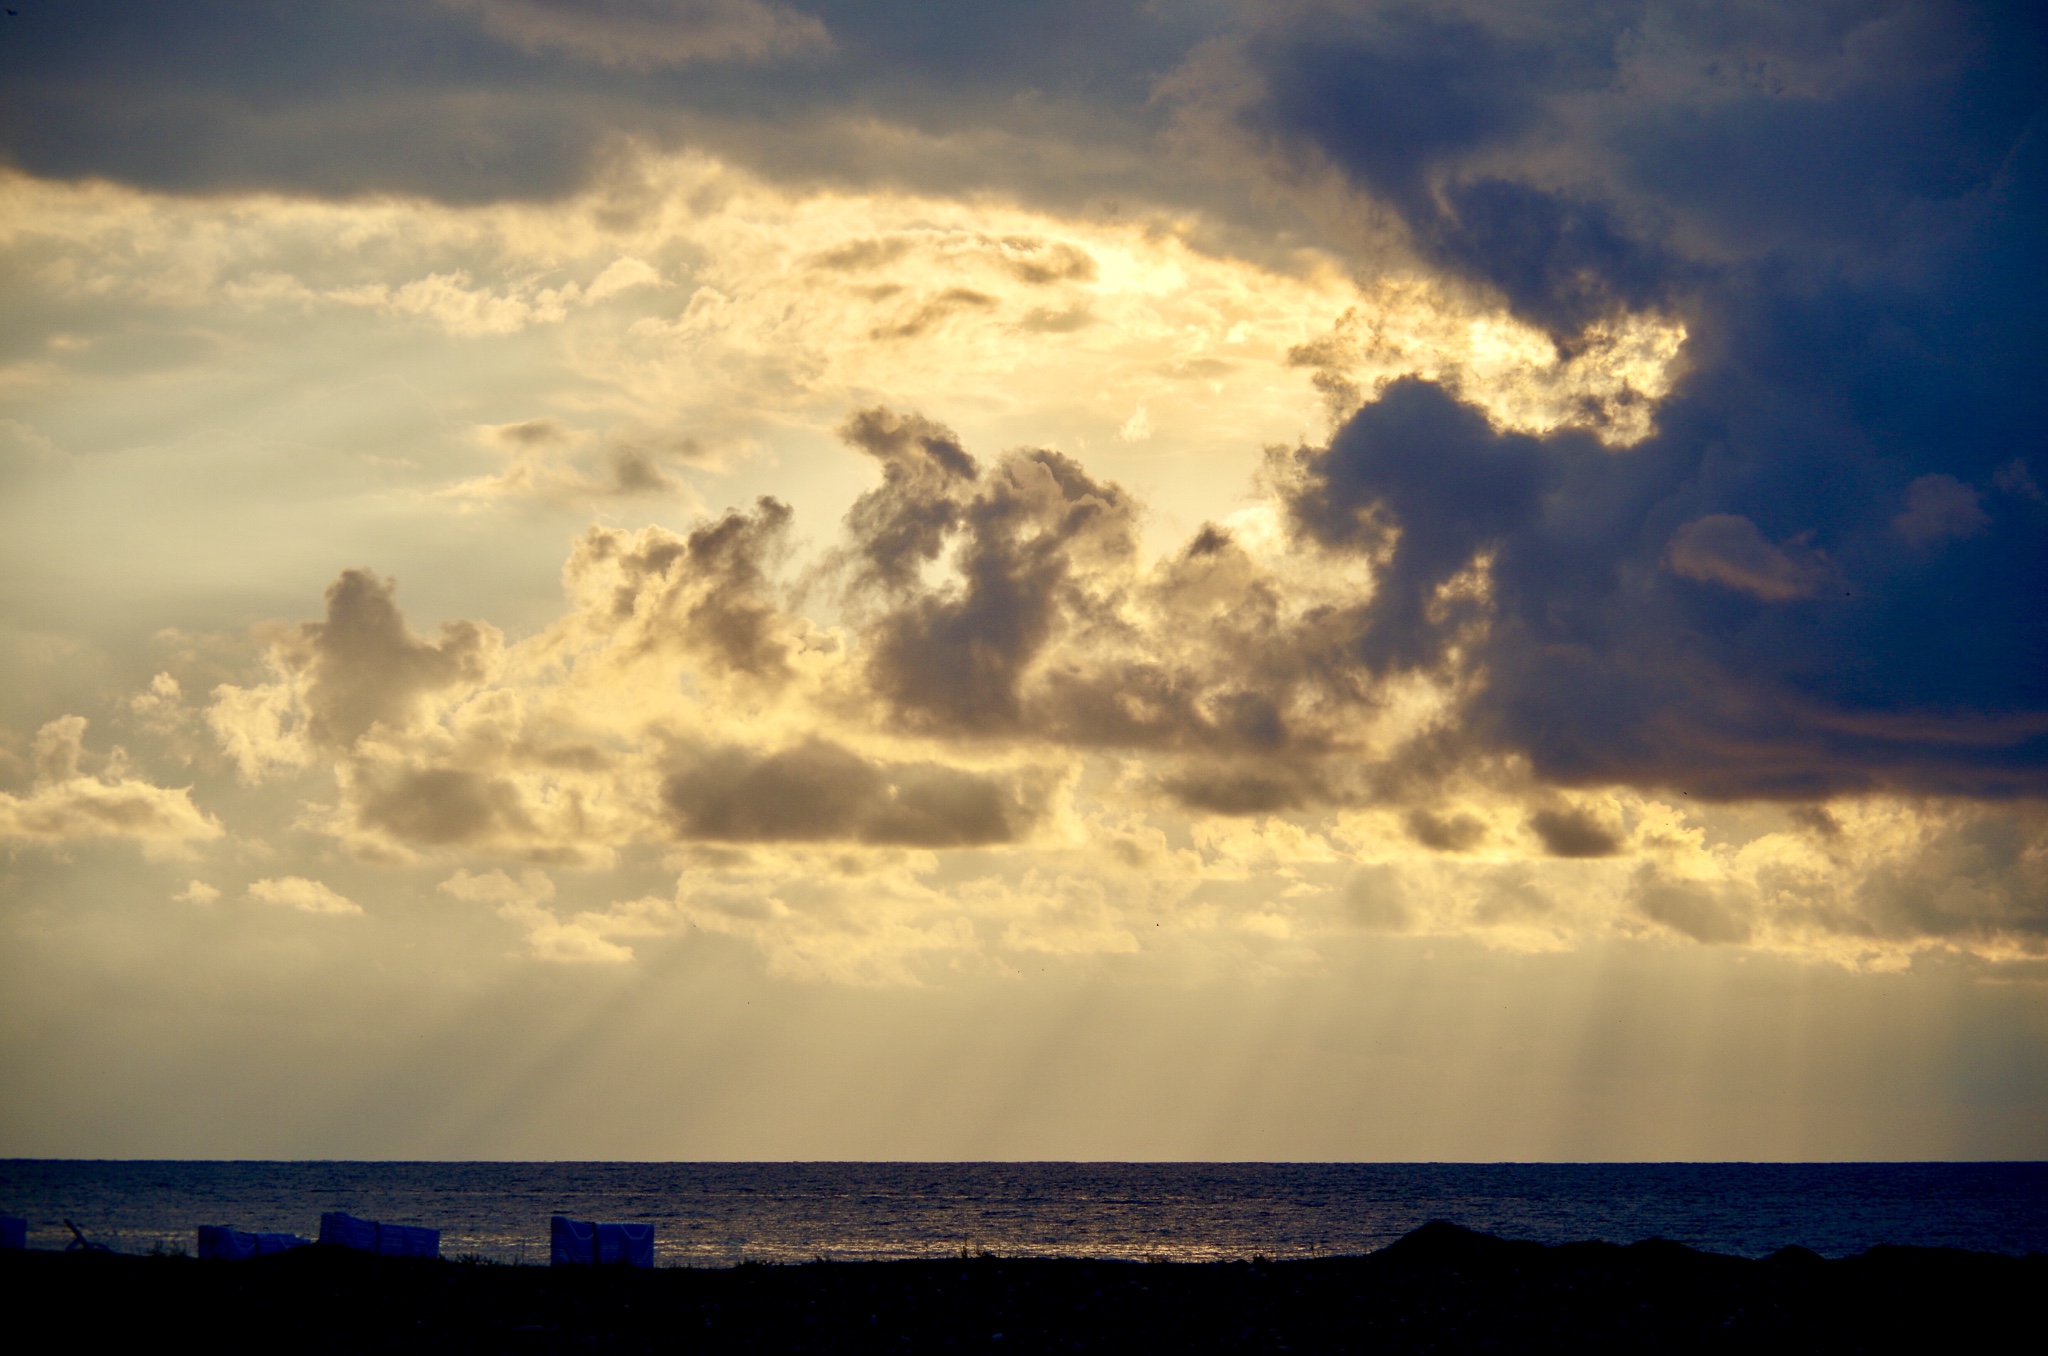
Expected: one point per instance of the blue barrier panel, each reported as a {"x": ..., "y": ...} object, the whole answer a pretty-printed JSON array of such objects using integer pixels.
[
  {"x": 13, "y": 1232},
  {"x": 631, "y": 1244},
  {"x": 232, "y": 1245},
  {"x": 349, "y": 1232},
  {"x": 408, "y": 1240},
  {"x": 225, "y": 1245},
  {"x": 571, "y": 1242},
  {"x": 389, "y": 1240},
  {"x": 576, "y": 1242}
]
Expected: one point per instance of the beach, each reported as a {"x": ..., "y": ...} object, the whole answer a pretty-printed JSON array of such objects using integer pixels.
[{"x": 1440, "y": 1288}]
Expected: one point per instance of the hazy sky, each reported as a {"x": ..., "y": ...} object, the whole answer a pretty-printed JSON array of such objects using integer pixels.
[{"x": 727, "y": 578}]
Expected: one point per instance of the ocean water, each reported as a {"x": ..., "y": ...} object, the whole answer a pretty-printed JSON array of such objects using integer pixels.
[{"x": 720, "y": 1214}]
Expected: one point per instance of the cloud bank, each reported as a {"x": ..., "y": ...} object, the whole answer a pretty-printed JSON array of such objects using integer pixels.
[{"x": 1361, "y": 694}]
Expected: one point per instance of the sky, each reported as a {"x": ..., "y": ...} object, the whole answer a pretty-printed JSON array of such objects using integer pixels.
[{"x": 1197, "y": 579}]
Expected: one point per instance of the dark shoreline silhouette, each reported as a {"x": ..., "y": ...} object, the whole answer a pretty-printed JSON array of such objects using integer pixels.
[{"x": 1440, "y": 1288}]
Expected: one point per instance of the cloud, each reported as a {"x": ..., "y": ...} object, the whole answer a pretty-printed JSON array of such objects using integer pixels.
[
  {"x": 1665, "y": 567},
  {"x": 1939, "y": 508},
  {"x": 756, "y": 330},
  {"x": 1725, "y": 549},
  {"x": 1535, "y": 560},
  {"x": 68, "y": 804},
  {"x": 822, "y": 792},
  {"x": 160, "y": 706},
  {"x": 1037, "y": 534},
  {"x": 901, "y": 526},
  {"x": 1433, "y": 621},
  {"x": 645, "y": 34},
  {"x": 1694, "y": 910},
  {"x": 197, "y": 892},
  {"x": 554, "y": 463},
  {"x": 2015, "y": 478},
  {"x": 989, "y": 750},
  {"x": 1849, "y": 376},
  {"x": 532, "y": 99},
  {"x": 1572, "y": 833},
  {"x": 1446, "y": 833},
  {"x": 579, "y": 940},
  {"x": 339, "y": 678},
  {"x": 307, "y": 896}
]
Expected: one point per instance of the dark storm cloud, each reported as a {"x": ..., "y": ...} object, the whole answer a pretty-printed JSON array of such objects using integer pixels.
[
  {"x": 1411, "y": 102},
  {"x": 1818, "y": 575},
  {"x": 1583, "y": 159},
  {"x": 475, "y": 100},
  {"x": 1623, "y": 641}
]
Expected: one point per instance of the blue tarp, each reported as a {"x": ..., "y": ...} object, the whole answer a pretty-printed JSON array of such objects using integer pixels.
[
  {"x": 233, "y": 1245},
  {"x": 575, "y": 1242},
  {"x": 13, "y": 1232},
  {"x": 367, "y": 1235}
]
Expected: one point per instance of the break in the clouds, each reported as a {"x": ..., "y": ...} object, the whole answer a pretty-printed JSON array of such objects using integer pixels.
[{"x": 912, "y": 497}]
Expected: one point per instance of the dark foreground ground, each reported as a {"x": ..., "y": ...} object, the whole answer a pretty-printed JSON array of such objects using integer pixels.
[{"x": 1439, "y": 1289}]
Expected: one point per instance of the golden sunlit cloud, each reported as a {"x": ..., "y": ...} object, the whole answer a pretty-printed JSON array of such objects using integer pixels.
[
  {"x": 696, "y": 309},
  {"x": 1115, "y": 741},
  {"x": 66, "y": 803}
]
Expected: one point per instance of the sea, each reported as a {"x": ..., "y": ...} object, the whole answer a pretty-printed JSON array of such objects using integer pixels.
[{"x": 724, "y": 1214}]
